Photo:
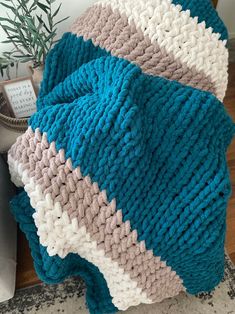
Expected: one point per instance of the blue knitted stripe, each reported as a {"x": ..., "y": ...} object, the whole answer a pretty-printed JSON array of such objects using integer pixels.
[
  {"x": 155, "y": 145},
  {"x": 70, "y": 53},
  {"x": 53, "y": 269},
  {"x": 205, "y": 11}
]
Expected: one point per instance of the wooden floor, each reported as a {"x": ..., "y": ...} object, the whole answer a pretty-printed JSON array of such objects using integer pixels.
[
  {"x": 230, "y": 106},
  {"x": 25, "y": 272}
]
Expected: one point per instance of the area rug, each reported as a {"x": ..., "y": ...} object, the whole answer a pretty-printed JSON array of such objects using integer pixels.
[{"x": 68, "y": 298}]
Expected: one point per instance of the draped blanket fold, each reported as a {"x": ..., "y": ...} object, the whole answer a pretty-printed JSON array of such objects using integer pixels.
[{"x": 123, "y": 166}]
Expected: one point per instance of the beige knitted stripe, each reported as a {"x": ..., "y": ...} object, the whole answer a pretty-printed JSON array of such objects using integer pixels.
[
  {"x": 111, "y": 31},
  {"x": 82, "y": 199}
]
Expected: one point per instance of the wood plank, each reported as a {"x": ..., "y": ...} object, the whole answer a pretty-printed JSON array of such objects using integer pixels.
[
  {"x": 215, "y": 3},
  {"x": 230, "y": 235},
  {"x": 232, "y": 256},
  {"x": 25, "y": 273},
  {"x": 229, "y": 103}
]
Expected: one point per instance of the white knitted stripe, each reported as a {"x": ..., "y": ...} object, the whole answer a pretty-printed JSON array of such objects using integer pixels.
[
  {"x": 180, "y": 34},
  {"x": 16, "y": 175},
  {"x": 63, "y": 236}
]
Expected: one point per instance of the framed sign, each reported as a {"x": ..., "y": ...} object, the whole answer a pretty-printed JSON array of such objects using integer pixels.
[{"x": 21, "y": 97}]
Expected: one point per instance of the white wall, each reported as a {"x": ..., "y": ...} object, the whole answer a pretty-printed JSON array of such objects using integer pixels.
[{"x": 226, "y": 10}]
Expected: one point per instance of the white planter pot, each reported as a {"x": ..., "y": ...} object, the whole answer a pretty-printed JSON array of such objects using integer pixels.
[{"x": 37, "y": 74}]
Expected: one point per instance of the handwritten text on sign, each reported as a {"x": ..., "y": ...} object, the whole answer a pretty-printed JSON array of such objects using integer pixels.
[{"x": 22, "y": 98}]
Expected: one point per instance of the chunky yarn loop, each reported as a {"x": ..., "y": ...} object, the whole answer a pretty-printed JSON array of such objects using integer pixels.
[{"x": 123, "y": 166}]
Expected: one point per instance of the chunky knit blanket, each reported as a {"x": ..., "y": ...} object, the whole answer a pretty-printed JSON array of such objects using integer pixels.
[{"x": 123, "y": 165}]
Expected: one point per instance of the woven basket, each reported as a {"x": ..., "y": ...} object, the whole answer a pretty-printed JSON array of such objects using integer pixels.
[
  {"x": 19, "y": 125},
  {"x": 10, "y": 128}
]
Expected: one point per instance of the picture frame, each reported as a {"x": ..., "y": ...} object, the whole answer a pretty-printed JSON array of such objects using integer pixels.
[{"x": 20, "y": 95}]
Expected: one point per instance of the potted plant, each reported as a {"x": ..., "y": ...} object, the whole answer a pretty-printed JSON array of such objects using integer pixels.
[{"x": 31, "y": 27}]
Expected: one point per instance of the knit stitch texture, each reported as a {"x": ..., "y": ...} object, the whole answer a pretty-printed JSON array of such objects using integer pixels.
[{"x": 124, "y": 161}]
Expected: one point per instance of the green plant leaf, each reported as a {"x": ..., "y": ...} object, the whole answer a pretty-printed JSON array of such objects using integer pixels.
[
  {"x": 7, "y": 54},
  {"x": 22, "y": 4},
  {"x": 62, "y": 20},
  {"x": 24, "y": 38},
  {"x": 10, "y": 41},
  {"x": 50, "y": 20},
  {"x": 50, "y": 1},
  {"x": 21, "y": 56},
  {"x": 40, "y": 53},
  {"x": 40, "y": 19},
  {"x": 30, "y": 23},
  {"x": 35, "y": 38},
  {"x": 8, "y": 28},
  {"x": 43, "y": 23},
  {"x": 20, "y": 18},
  {"x": 8, "y": 7},
  {"x": 5, "y": 19},
  {"x": 51, "y": 36},
  {"x": 13, "y": 37},
  {"x": 12, "y": 22},
  {"x": 57, "y": 10},
  {"x": 33, "y": 5},
  {"x": 44, "y": 7},
  {"x": 6, "y": 42}
]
